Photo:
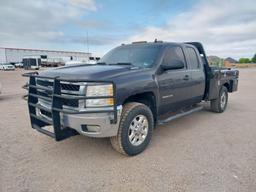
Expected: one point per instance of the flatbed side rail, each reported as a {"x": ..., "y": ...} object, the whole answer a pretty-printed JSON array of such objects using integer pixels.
[{"x": 57, "y": 99}]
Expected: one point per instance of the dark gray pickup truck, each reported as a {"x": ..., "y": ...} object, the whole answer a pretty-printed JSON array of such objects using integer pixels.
[{"x": 127, "y": 93}]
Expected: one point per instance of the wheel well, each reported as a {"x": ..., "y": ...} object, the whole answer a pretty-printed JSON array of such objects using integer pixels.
[
  {"x": 147, "y": 98},
  {"x": 227, "y": 85}
]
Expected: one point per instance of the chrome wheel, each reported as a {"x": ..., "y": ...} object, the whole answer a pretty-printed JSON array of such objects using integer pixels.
[
  {"x": 138, "y": 130},
  {"x": 223, "y": 100}
]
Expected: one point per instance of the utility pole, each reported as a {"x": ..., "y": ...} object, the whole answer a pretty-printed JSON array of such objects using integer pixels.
[
  {"x": 87, "y": 41},
  {"x": 5, "y": 55}
]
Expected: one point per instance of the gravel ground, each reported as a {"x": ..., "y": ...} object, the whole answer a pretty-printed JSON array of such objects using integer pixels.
[{"x": 201, "y": 152}]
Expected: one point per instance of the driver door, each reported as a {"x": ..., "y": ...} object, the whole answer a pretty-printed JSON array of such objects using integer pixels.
[{"x": 174, "y": 84}]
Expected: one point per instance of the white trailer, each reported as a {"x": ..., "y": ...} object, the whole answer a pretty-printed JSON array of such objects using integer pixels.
[{"x": 31, "y": 62}]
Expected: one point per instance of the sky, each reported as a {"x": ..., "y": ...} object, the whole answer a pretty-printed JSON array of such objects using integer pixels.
[{"x": 226, "y": 28}]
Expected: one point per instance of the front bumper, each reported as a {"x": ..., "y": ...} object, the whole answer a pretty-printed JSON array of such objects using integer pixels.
[{"x": 90, "y": 124}]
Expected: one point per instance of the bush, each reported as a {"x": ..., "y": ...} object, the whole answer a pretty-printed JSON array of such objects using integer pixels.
[
  {"x": 254, "y": 58},
  {"x": 244, "y": 60}
]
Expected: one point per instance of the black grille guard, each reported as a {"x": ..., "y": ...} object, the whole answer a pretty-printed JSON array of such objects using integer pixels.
[{"x": 57, "y": 99}]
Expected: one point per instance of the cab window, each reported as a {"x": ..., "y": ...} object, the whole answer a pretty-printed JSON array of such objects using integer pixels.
[
  {"x": 174, "y": 54},
  {"x": 192, "y": 58}
]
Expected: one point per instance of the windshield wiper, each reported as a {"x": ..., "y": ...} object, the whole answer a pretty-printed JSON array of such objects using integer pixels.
[
  {"x": 101, "y": 63},
  {"x": 119, "y": 63},
  {"x": 124, "y": 63}
]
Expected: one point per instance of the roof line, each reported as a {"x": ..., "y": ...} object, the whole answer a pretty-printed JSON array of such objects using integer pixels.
[{"x": 24, "y": 49}]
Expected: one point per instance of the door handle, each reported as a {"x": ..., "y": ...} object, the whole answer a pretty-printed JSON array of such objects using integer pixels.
[{"x": 186, "y": 77}]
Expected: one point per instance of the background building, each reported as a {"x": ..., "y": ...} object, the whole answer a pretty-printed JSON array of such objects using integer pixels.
[{"x": 15, "y": 55}]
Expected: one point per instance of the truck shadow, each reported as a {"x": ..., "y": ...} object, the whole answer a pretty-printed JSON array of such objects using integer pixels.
[
  {"x": 87, "y": 148},
  {"x": 101, "y": 147},
  {"x": 175, "y": 127},
  {"x": 9, "y": 97}
]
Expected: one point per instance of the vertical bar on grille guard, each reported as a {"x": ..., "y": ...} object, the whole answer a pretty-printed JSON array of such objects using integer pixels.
[
  {"x": 33, "y": 100},
  {"x": 56, "y": 103}
]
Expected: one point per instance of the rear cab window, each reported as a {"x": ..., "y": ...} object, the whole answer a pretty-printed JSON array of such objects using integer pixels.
[{"x": 193, "y": 59}]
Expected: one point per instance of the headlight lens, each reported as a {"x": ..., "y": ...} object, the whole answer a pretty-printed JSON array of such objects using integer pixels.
[{"x": 99, "y": 90}]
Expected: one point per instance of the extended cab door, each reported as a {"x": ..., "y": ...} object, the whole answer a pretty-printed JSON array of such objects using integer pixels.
[
  {"x": 197, "y": 81},
  {"x": 174, "y": 84}
]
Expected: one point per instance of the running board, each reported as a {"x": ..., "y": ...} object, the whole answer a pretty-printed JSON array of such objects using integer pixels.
[{"x": 181, "y": 114}]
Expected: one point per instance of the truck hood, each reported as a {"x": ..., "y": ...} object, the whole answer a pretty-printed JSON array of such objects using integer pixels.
[{"x": 90, "y": 72}]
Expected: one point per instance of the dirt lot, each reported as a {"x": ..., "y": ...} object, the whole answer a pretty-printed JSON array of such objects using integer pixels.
[{"x": 201, "y": 152}]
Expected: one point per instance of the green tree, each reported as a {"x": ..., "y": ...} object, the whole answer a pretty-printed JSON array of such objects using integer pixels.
[
  {"x": 254, "y": 58},
  {"x": 244, "y": 60}
]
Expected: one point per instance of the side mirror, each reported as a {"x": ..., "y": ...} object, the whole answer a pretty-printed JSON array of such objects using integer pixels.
[{"x": 174, "y": 64}]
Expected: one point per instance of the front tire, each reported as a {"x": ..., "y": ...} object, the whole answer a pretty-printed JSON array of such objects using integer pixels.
[
  {"x": 219, "y": 105},
  {"x": 135, "y": 129}
]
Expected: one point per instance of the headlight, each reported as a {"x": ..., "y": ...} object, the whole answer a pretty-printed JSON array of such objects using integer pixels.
[{"x": 99, "y": 90}]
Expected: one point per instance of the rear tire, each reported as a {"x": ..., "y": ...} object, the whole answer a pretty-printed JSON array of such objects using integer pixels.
[
  {"x": 135, "y": 129},
  {"x": 219, "y": 105}
]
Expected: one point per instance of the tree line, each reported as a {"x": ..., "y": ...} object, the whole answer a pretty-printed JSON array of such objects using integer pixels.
[{"x": 248, "y": 60}]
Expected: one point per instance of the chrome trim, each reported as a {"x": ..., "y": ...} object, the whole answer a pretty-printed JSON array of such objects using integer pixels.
[
  {"x": 39, "y": 113},
  {"x": 48, "y": 105},
  {"x": 167, "y": 96}
]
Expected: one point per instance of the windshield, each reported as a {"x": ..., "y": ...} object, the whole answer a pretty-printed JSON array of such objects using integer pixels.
[{"x": 143, "y": 57}]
